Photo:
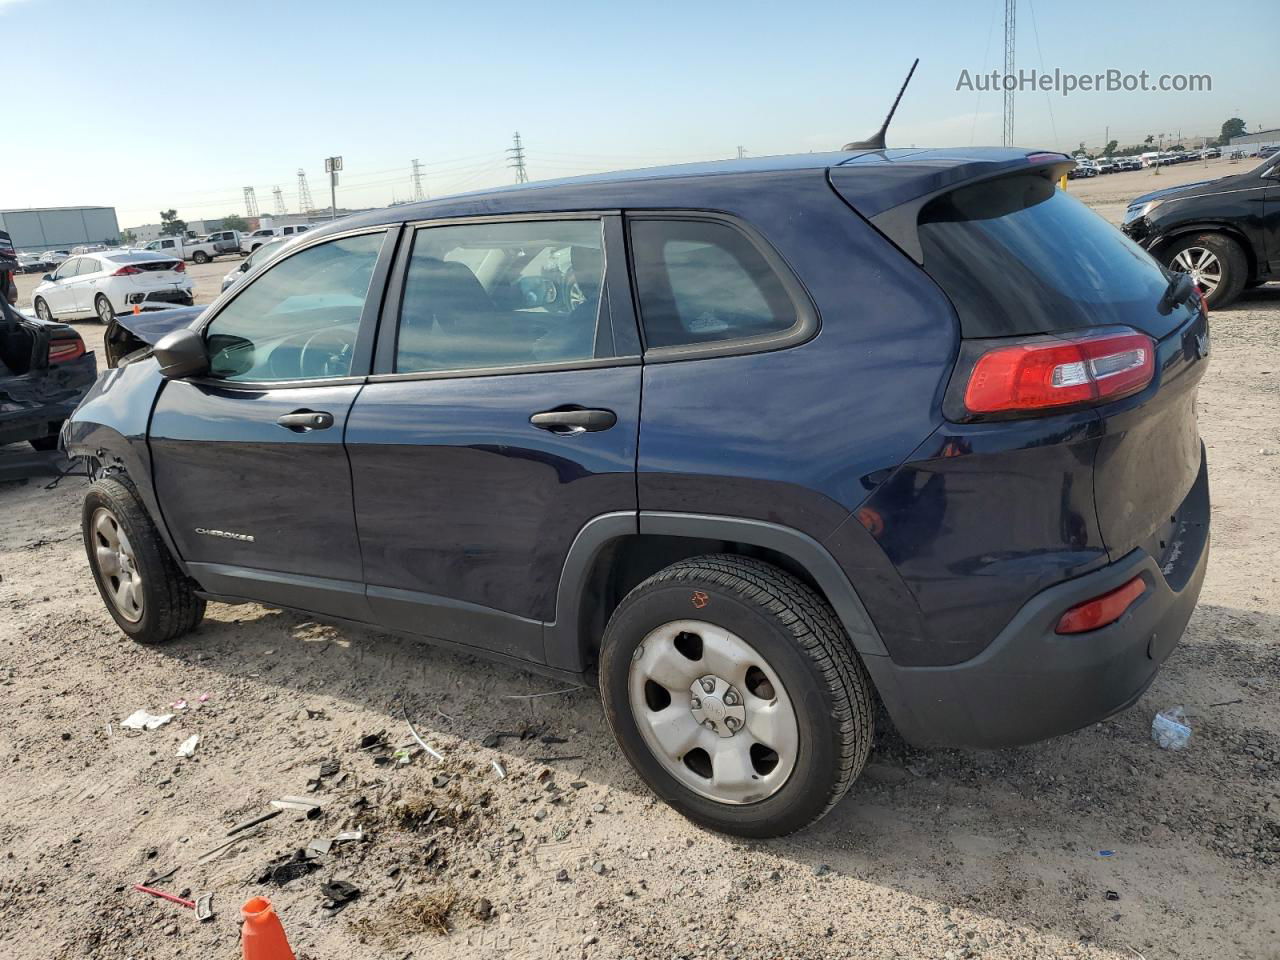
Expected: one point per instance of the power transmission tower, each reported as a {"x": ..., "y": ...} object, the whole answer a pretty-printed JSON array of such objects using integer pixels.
[
  {"x": 1010, "y": 35},
  {"x": 280, "y": 209},
  {"x": 417, "y": 181},
  {"x": 742, "y": 152},
  {"x": 304, "y": 193},
  {"x": 250, "y": 203},
  {"x": 517, "y": 159}
]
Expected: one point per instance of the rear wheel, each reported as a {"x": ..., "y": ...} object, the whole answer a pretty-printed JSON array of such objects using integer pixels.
[
  {"x": 1215, "y": 262},
  {"x": 43, "y": 311},
  {"x": 200, "y": 257},
  {"x": 144, "y": 591},
  {"x": 736, "y": 695},
  {"x": 102, "y": 307}
]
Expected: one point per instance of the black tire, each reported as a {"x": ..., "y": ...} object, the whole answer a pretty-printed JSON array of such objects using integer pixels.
[
  {"x": 103, "y": 308},
  {"x": 170, "y": 607},
  {"x": 1234, "y": 265},
  {"x": 43, "y": 311},
  {"x": 799, "y": 636},
  {"x": 200, "y": 257}
]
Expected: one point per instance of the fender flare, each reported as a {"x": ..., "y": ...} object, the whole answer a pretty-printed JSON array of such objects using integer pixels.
[
  {"x": 1207, "y": 226},
  {"x": 562, "y": 642}
]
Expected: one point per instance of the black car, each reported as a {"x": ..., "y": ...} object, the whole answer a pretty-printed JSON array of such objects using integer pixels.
[
  {"x": 1224, "y": 232},
  {"x": 752, "y": 444}
]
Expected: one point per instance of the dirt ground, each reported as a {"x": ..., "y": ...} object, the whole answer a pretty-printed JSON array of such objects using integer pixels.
[{"x": 1097, "y": 844}]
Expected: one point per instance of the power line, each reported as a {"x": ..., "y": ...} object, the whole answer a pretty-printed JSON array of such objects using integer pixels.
[
  {"x": 517, "y": 159},
  {"x": 250, "y": 203}
]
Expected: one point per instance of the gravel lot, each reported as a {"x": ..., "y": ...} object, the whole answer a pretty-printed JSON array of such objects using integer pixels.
[{"x": 1097, "y": 844}]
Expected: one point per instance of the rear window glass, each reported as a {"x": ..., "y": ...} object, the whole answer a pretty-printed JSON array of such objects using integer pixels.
[
  {"x": 1018, "y": 256},
  {"x": 704, "y": 282}
]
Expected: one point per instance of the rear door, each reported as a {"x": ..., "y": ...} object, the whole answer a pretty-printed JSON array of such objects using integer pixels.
[
  {"x": 249, "y": 464},
  {"x": 501, "y": 417},
  {"x": 85, "y": 286}
]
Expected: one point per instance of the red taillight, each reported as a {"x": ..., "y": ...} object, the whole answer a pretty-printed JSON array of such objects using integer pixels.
[
  {"x": 180, "y": 268},
  {"x": 1102, "y": 610},
  {"x": 61, "y": 351},
  {"x": 126, "y": 272},
  {"x": 1057, "y": 373}
]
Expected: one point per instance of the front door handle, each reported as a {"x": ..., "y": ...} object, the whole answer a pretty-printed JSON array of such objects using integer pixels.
[
  {"x": 304, "y": 421},
  {"x": 568, "y": 423}
]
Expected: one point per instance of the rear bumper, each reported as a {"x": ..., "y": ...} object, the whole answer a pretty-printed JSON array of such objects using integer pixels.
[{"x": 1032, "y": 683}]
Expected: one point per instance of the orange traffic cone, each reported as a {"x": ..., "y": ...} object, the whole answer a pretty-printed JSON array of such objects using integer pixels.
[
  {"x": 263, "y": 937},
  {"x": 136, "y": 309}
]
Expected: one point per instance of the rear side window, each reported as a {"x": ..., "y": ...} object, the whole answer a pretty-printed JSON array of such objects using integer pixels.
[
  {"x": 704, "y": 282},
  {"x": 1018, "y": 256},
  {"x": 501, "y": 295}
]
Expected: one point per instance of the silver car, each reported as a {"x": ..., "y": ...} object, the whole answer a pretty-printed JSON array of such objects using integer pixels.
[{"x": 267, "y": 252}]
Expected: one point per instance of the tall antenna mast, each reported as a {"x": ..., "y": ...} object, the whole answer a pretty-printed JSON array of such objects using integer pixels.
[
  {"x": 279, "y": 195},
  {"x": 304, "y": 193},
  {"x": 1010, "y": 35},
  {"x": 517, "y": 159},
  {"x": 250, "y": 203},
  {"x": 876, "y": 141}
]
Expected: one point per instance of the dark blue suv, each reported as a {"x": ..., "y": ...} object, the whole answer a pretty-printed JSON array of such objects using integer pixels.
[{"x": 755, "y": 443}]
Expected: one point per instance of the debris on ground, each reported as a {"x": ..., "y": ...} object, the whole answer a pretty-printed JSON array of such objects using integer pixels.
[
  {"x": 338, "y": 893},
  {"x": 310, "y": 807},
  {"x": 187, "y": 748},
  {"x": 423, "y": 912},
  {"x": 288, "y": 867},
  {"x": 141, "y": 720},
  {"x": 1170, "y": 728},
  {"x": 254, "y": 821}
]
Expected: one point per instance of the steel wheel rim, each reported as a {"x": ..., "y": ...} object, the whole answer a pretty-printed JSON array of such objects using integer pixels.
[
  {"x": 114, "y": 560},
  {"x": 1203, "y": 265},
  {"x": 720, "y": 723}
]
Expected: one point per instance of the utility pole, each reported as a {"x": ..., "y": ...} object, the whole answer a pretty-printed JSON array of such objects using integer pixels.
[
  {"x": 280, "y": 208},
  {"x": 331, "y": 166},
  {"x": 304, "y": 193},
  {"x": 1010, "y": 35},
  {"x": 250, "y": 203},
  {"x": 517, "y": 159},
  {"x": 417, "y": 181}
]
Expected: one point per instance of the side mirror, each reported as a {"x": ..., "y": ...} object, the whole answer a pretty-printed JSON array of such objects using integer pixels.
[
  {"x": 47, "y": 278},
  {"x": 181, "y": 354}
]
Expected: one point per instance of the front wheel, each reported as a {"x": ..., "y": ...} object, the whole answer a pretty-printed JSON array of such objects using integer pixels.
[
  {"x": 102, "y": 307},
  {"x": 736, "y": 695},
  {"x": 1216, "y": 263},
  {"x": 43, "y": 311},
  {"x": 146, "y": 594}
]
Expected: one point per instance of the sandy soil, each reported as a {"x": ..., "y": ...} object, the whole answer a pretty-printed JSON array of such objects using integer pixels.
[{"x": 1097, "y": 844}]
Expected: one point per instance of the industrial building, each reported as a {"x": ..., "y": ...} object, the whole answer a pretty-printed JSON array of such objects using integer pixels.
[
  {"x": 1263, "y": 138},
  {"x": 60, "y": 228}
]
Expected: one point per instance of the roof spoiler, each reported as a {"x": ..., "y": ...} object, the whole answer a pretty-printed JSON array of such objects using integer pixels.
[{"x": 876, "y": 141}]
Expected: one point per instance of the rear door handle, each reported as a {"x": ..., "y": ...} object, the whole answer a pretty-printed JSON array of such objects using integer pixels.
[
  {"x": 304, "y": 421},
  {"x": 568, "y": 423}
]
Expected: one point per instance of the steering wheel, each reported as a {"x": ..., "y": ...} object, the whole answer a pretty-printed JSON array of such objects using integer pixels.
[{"x": 321, "y": 360}]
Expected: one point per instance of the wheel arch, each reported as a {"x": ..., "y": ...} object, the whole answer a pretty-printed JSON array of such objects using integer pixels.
[{"x": 614, "y": 552}]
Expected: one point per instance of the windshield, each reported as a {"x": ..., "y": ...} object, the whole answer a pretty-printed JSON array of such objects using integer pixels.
[{"x": 1017, "y": 256}]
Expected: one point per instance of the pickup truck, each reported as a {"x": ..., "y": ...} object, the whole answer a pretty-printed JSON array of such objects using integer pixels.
[
  {"x": 253, "y": 241},
  {"x": 200, "y": 249}
]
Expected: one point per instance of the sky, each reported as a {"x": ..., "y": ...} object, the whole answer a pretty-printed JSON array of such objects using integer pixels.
[{"x": 151, "y": 105}]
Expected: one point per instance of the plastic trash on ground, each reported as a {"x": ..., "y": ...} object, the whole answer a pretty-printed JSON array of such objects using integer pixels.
[
  {"x": 141, "y": 720},
  {"x": 1170, "y": 729},
  {"x": 188, "y": 746}
]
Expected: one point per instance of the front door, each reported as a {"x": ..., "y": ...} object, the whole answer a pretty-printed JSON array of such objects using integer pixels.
[
  {"x": 502, "y": 416},
  {"x": 249, "y": 464},
  {"x": 61, "y": 297}
]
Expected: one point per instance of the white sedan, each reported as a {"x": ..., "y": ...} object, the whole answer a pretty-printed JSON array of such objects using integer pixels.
[{"x": 112, "y": 281}]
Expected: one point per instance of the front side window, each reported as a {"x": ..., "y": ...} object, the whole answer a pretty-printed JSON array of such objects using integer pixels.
[
  {"x": 299, "y": 319},
  {"x": 703, "y": 282},
  {"x": 501, "y": 294},
  {"x": 68, "y": 269}
]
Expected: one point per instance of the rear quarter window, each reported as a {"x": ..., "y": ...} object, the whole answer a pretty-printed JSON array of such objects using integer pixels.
[{"x": 704, "y": 282}]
